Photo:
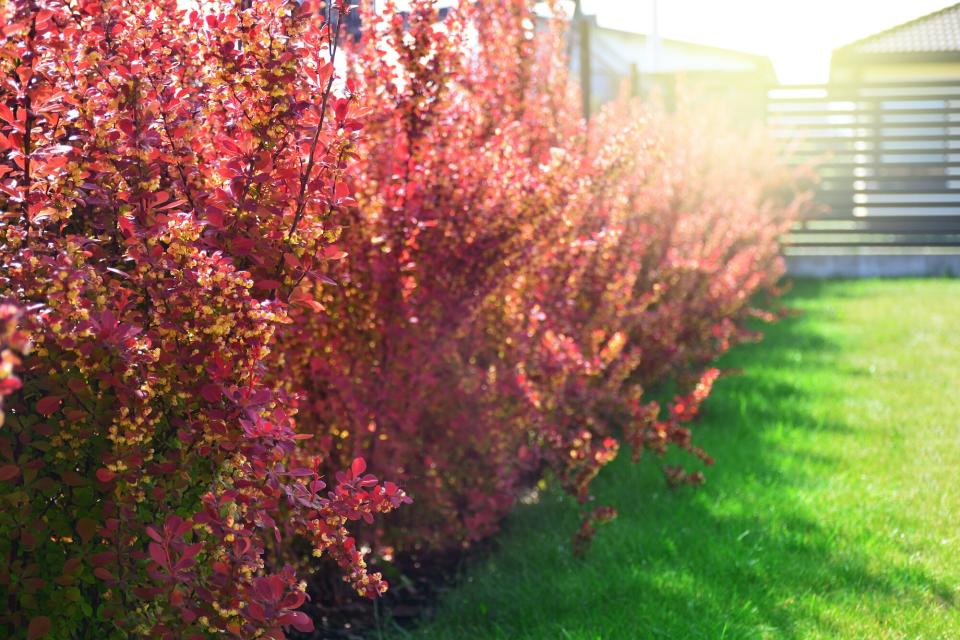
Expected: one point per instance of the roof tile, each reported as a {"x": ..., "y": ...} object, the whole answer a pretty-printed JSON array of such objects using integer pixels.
[{"x": 933, "y": 33}]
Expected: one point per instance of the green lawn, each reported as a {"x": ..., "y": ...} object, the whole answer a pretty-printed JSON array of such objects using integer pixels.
[{"x": 833, "y": 510}]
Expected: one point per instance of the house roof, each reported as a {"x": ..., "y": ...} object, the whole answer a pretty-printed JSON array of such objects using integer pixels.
[{"x": 934, "y": 36}]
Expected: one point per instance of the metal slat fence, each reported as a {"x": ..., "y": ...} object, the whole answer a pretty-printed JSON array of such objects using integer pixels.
[{"x": 888, "y": 156}]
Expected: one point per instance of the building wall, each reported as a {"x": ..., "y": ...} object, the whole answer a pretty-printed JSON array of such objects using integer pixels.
[{"x": 622, "y": 60}]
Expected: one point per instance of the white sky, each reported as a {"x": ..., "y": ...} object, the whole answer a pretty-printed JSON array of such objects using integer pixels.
[{"x": 798, "y": 35}]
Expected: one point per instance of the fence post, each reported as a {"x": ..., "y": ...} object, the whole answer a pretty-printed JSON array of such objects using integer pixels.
[{"x": 585, "y": 65}]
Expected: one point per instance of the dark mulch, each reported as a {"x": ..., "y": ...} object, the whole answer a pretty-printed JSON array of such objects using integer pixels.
[{"x": 416, "y": 584}]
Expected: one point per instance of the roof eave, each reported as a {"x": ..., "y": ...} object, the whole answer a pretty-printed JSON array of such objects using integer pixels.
[
  {"x": 758, "y": 58},
  {"x": 909, "y": 57}
]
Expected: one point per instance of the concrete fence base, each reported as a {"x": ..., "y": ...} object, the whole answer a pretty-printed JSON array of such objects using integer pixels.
[{"x": 866, "y": 265}]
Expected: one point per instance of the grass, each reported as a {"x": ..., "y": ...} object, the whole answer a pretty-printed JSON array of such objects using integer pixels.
[{"x": 833, "y": 510}]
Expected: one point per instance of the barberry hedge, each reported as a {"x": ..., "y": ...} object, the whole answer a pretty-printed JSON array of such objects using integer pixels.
[
  {"x": 515, "y": 277},
  {"x": 244, "y": 260},
  {"x": 167, "y": 178}
]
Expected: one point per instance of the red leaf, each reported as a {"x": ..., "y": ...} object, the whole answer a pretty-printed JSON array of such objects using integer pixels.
[
  {"x": 9, "y": 472},
  {"x": 342, "y": 190},
  {"x": 256, "y": 612},
  {"x": 210, "y": 392},
  {"x": 39, "y": 627},
  {"x": 276, "y": 587},
  {"x": 300, "y": 621},
  {"x": 103, "y": 574},
  {"x": 266, "y": 284},
  {"x": 48, "y": 405},
  {"x": 183, "y": 528},
  {"x": 333, "y": 252},
  {"x": 304, "y": 300},
  {"x": 188, "y": 559},
  {"x": 293, "y": 600},
  {"x": 125, "y": 223},
  {"x": 358, "y": 466},
  {"x": 215, "y": 217},
  {"x": 73, "y": 479},
  {"x": 9, "y": 385},
  {"x": 340, "y": 109},
  {"x": 105, "y": 475},
  {"x": 6, "y": 114},
  {"x": 158, "y": 554}
]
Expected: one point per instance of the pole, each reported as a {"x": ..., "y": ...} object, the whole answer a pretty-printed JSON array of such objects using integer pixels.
[{"x": 584, "y": 56}]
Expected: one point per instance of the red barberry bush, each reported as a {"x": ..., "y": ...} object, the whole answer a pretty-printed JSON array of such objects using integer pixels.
[
  {"x": 169, "y": 181},
  {"x": 449, "y": 201},
  {"x": 516, "y": 278}
]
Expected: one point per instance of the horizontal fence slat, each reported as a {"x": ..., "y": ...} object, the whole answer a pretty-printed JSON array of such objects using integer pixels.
[
  {"x": 871, "y": 113},
  {"x": 912, "y": 124},
  {"x": 844, "y": 98},
  {"x": 858, "y": 213},
  {"x": 802, "y": 136},
  {"x": 872, "y": 86},
  {"x": 893, "y": 205},
  {"x": 889, "y": 165},
  {"x": 817, "y": 235},
  {"x": 849, "y": 226},
  {"x": 854, "y": 150},
  {"x": 856, "y": 108},
  {"x": 885, "y": 219},
  {"x": 870, "y": 243},
  {"x": 887, "y": 191}
]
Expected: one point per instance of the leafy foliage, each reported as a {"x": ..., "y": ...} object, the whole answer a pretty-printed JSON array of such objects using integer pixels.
[
  {"x": 167, "y": 183},
  {"x": 516, "y": 278}
]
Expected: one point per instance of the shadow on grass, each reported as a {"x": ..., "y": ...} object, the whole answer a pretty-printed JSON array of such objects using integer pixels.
[{"x": 749, "y": 555}]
